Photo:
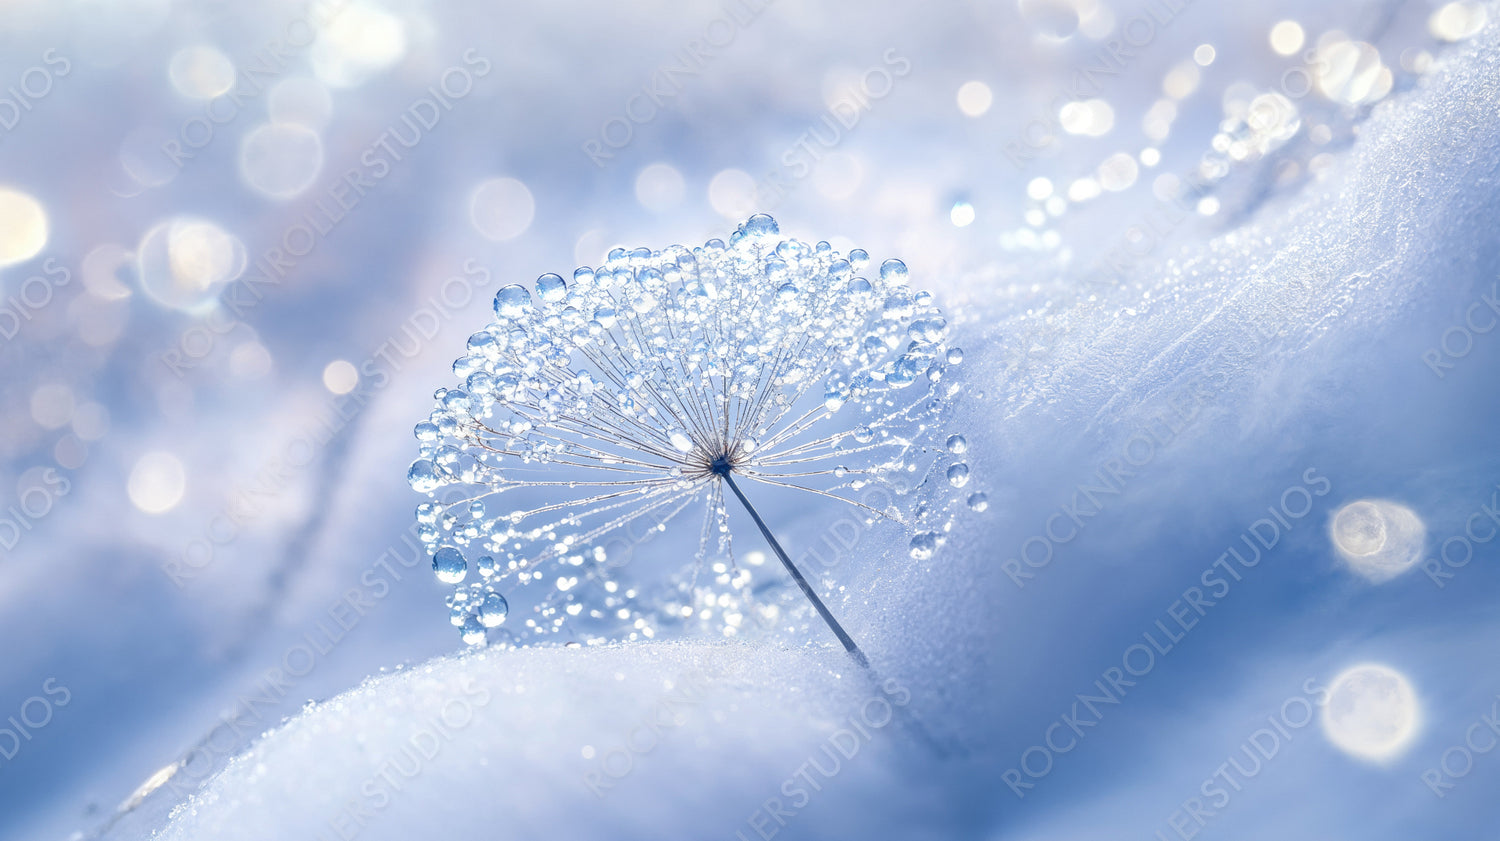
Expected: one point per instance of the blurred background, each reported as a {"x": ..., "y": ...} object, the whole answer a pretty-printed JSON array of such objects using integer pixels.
[{"x": 241, "y": 243}]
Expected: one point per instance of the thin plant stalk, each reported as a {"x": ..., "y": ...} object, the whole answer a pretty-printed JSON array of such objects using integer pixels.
[{"x": 725, "y": 471}]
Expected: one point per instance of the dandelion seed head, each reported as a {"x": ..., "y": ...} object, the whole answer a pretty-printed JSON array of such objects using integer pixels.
[{"x": 593, "y": 412}]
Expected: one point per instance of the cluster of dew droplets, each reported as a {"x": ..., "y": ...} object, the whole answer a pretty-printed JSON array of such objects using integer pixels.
[{"x": 598, "y": 406}]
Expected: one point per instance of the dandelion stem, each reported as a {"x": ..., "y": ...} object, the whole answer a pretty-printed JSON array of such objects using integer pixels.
[{"x": 724, "y": 470}]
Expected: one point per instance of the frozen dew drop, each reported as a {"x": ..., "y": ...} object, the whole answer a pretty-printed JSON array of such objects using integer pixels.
[
  {"x": 472, "y": 631},
  {"x": 931, "y": 329},
  {"x": 493, "y": 610},
  {"x": 683, "y": 443},
  {"x": 551, "y": 288},
  {"x": 904, "y": 373},
  {"x": 893, "y": 271},
  {"x": 958, "y": 475},
  {"x": 512, "y": 301},
  {"x": 449, "y": 566},
  {"x": 955, "y": 355},
  {"x": 979, "y": 501},
  {"x": 787, "y": 293},
  {"x": 923, "y": 546},
  {"x": 423, "y": 476},
  {"x": 859, "y": 258},
  {"x": 834, "y": 398},
  {"x": 487, "y": 566},
  {"x": 760, "y": 226},
  {"x": 957, "y": 444}
]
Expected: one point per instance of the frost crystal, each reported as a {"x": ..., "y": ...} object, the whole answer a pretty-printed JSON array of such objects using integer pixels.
[{"x": 624, "y": 396}]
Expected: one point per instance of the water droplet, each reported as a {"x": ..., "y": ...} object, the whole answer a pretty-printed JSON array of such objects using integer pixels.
[
  {"x": 923, "y": 545},
  {"x": 487, "y": 566},
  {"x": 760, "y": 226},
  {"x": 512, "y": 301},
  {"x": 958, "y": 475},
  {"x": 955, "y": 355},
  {"x": 683, "y": 443},
  {"x": 904, "y": 372},
  {"x": 834, "y": 397},
  {"x": 957, "y": 444},
  {"x": 493, "y": 610},
  {"x": 979, "y": 501},
  {"x": 893, "y": 271},
  {"x": 449, "y": 566},
  {"x": 931, "y": 329},
  {"x": 551, "y": 288},
  {"x": 859, "y": 258},
  {"x": 472, "y": 631},
  {"x": 423, "y": 476}
]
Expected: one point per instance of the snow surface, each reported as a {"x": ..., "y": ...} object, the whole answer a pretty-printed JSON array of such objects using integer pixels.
[{"x": 686, "y": 737}]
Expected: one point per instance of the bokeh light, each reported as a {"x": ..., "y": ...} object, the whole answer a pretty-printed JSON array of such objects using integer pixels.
[
  {"x": 731, "y": 192},
  {"x": 501, "y": 209},
  {"x": 1371, "y": 712},
  {"x": 974, "y": 98},
  {"x": 201, "y": 72},
  {"x": 157, "y": 482},
  {"x": 23, "y": 227},
  {"x": 358, "y": 43},
  {"x": 182, "y": 263},
  {"x": 1089, "y": 117},
  {"x": 52, "y": 405},
  {"x": 281, "y": 160},
  {"x": 659, "y": 187},
  {"x": 340, "y": 376},
  {"x": 1377, "y": 538},
  {"x": 1458, "y": 20},
  {"x": 1287, "y": 37}
]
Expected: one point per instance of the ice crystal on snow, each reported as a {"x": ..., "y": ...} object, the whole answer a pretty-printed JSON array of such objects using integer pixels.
[{"x": 630, "y": 392}]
